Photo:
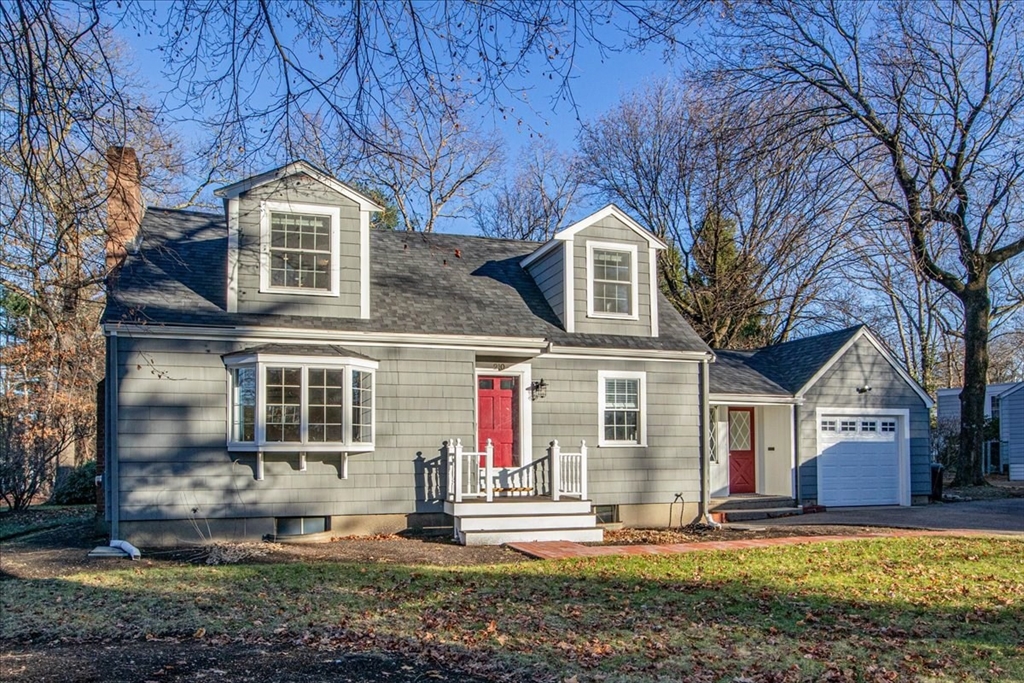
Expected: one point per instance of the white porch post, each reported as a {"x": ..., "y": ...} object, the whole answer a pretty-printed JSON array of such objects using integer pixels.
[
  {"x": 489, "y": 470},
  {"x": 458, "y": 470},
  {"x": 583, "y": 469},
  {"x": 555, "y": 455}
]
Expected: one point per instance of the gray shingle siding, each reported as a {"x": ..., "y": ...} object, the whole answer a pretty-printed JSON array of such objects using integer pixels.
[
  {"x": 174, "y": 464},
  {"x": 548, "y": 272},
  {"x": 860, "y": 365},
  {"x": 610, "y": 229}
]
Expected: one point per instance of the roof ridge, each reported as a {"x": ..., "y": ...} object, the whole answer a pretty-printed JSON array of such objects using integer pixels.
[{"x": 165, "y": 209}]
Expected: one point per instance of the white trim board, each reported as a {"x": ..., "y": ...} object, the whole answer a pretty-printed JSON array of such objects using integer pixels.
[
  {"x": 296, "y": 168},
  {"x": 902, "y": 415},
  {"x": 634, "y": 280},
  {"x": 234, "y": 229},
  {"x": 567, "y": 234},
  {"x": 603, "y": 375},
  {"x": 266, "y": 207}
]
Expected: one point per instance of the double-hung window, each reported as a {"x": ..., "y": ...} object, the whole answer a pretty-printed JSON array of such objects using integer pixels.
[
  {"x": 612, "y": 280},
  {"x": 299, "y": 248},
  {"x": 282, "y": 403},
  {"x": 622, "y": 404}
]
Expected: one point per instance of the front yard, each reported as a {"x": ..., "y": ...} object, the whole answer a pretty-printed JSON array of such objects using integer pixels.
[{"x": 928, "y": 609}]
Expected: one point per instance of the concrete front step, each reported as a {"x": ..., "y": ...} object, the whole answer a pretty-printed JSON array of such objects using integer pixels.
[
  {"x": 585, "y": 535},
  {"x": 754, "y": 514},
  {"x": 750, "y": 502},
  {"x": 515, "y": 522}
]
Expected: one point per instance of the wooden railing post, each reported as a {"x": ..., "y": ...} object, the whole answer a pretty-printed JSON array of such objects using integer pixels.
[
  {"x": 555, "y": 455},
  {"x": 458, "y": 470},
  {"x": 583, "y": 469},
  {"x": 489, "y": 471}
]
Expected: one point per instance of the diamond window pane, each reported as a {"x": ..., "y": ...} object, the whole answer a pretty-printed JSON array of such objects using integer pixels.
[{"x": 739, "y": 430}]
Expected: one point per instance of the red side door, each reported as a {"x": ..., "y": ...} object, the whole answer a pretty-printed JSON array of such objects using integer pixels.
[
  {"x": 498, "y": 417},
  {"x": 741, "y": 451}
]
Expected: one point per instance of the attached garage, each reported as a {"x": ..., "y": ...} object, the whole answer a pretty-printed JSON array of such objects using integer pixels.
[{"x": 861, "y": 459}]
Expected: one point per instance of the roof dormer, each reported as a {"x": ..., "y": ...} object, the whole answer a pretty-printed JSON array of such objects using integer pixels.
[
  {"x": 600, "y": 275},
  {"x": 298, "y": 239}
]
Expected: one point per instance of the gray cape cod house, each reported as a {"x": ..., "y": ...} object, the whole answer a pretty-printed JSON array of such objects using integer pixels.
[{"x": 281, "y": 369}]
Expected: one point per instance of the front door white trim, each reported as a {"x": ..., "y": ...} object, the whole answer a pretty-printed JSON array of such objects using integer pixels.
[
  {"x": 524, "y": 372},
  {"x": 902, "y": 442}
]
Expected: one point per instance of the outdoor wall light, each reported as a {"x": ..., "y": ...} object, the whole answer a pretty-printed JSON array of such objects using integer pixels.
[
  {"x": 538, "y": 389},
  {"x": 864, "y": 389}
]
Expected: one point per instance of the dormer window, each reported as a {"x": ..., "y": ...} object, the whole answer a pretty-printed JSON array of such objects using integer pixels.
[
  {"x": 299, "y": 248},
  {"x": 612, "y": 280}
]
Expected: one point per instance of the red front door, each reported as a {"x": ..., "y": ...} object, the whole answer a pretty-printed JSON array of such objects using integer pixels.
[
  {"x": 741, "y": 451},
  {"x": 498, "y": 417}
]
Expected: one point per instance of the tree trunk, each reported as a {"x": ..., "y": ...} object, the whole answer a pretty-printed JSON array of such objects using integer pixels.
[{"x": 977, "y": 307}]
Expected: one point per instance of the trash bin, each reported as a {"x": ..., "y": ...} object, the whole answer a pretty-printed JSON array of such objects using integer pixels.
[{"x": 938, "y": 469}]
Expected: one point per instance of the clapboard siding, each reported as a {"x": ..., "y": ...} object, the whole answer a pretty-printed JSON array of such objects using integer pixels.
[
  {"x": 1011, "y": 427},
  {"x": 549, "y": 274},
  {"x": 611, "y": 229},
  {"x": 304, "y": 190},
  {"x": 863, "y": 365}
]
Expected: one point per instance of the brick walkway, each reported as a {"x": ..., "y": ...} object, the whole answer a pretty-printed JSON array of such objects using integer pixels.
[{"x": 563, "y": 550}]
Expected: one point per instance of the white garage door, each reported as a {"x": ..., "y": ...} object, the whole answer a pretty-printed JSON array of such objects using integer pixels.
[{"x": 858, "y": 461}]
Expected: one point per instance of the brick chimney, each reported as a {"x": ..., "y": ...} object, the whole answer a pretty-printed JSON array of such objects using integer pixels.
[{"x": 124, "y": 203}]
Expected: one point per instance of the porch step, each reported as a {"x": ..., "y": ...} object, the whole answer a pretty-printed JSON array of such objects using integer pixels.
[
  {"x": 753, "y": 514},
  {"x": 584, "y": 535},
  {"x": 750, "y": 502},
  {"x": 528, "y": 521},
  {"x": 526, "y": 505}
]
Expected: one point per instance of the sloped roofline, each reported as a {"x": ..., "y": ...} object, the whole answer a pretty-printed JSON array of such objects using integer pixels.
[
  {"x": 294, "y": 168},
  {"x": 568, "y": 233},
  {"x": 1012, "y": 390},
  {"x": 864, "y": 332}
]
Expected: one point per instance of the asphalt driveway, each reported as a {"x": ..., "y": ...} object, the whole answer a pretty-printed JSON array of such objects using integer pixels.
[{"x": 1002, "y": 515}]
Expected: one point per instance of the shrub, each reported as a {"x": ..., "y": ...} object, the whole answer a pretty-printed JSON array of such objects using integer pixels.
[{"x": 78, "y": 487}]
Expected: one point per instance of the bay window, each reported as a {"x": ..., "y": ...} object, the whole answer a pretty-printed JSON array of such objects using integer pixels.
[{"x": 284, "y": 403}]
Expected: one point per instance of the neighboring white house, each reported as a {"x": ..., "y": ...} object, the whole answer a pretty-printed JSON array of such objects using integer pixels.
[
  {"x": 1001, "y": 402},
  {"x": 1011, "y": 429}
]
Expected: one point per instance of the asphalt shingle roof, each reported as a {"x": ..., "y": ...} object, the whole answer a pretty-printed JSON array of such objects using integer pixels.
[
  {"x": 782, "y": 369},
  {"x": 419, "y": 283}
]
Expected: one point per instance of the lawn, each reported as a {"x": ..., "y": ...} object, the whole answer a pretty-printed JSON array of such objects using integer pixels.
[
  {"x": 40, "y": 517},
  {"x": 928, "y": 609}
]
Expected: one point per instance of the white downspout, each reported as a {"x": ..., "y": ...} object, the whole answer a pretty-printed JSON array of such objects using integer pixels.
[
  {"x": 112, "y": 472},
  {"x": 705, "y": 445}
]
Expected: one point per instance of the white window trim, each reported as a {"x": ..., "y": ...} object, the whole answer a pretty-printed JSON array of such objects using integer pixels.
[
  {"x": 524, "y": 372},
  {"x": 603, "y": 375},
  {"x": 332, "y": 212},
  {"x": 902, "y": 437},
  {"x": 633, "y": 276},
  {"x": 261, "y": 362}
]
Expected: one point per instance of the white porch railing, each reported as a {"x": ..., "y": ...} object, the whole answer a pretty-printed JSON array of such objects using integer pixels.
[{"x": 472, "y": 474}]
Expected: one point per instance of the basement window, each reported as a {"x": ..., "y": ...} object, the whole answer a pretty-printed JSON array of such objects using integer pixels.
[{"x": 301, "y": 526}]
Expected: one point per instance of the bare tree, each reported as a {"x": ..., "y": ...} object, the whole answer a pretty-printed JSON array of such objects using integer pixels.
[
  {"x": 704, "y": 176},
  {"x": 534, "y": 204},
  {"x": 246, "y": 69},
  {"x": 924, "y": 102},
  {"x": 64, "y": 97}
]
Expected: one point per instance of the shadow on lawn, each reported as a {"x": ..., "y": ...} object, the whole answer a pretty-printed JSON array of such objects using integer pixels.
[{"x": 714, "y": 614}]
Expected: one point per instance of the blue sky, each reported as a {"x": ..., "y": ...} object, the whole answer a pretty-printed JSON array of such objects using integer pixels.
[{"x": 598, "y": 83}]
